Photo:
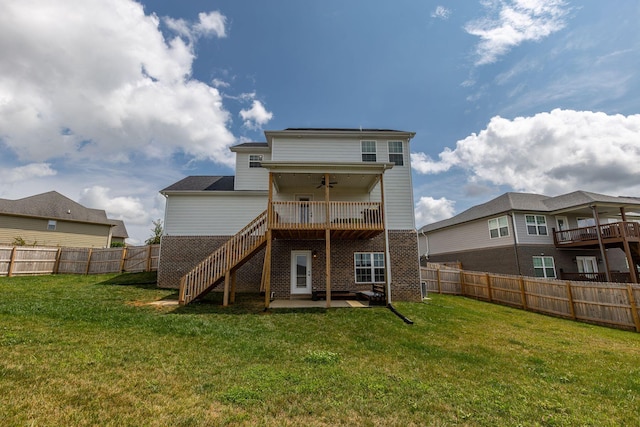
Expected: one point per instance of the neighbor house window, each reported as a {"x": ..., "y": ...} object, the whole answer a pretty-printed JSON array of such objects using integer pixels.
[
  {"x": 543, "y": 266},
  {"x": 369, "y": 267},
  {"x": 536, "y": 225},
  {"x": 51, "y": 225},
  {"x": 368, "y": 151},
  {"x": 498, "y": 227},
  {"x": 395, "y": 153},
  {"x": 255, "y": 160}
]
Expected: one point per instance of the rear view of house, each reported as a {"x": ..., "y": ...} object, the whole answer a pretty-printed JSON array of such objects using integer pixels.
[
  {"x": 309, "y": 212},
  {"x": 574, "y": 236}
]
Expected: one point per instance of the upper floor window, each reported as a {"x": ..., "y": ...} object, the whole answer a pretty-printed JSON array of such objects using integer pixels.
[
  {"x": 255, "y": 160},
  {"x": 395, "y": 153},
  {"x": 51, "y": 225},
  {"x": 536, "y": 225},
  {"x": 543, "y": 266},
  {"x": 368, "y": 151},
  {"x": 498, "y": 227}
]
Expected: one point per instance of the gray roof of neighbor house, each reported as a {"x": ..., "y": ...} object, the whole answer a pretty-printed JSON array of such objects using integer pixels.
[
  {"x": 252, "y": 144},
  {"x": 530, "y": 202},
  {"x": 119, "y": 230},
  {"x": 202, "y": 183},
  {"x": 52, "y": 205}
]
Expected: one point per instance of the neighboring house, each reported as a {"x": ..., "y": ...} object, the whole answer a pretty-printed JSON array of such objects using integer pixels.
[
  {"x": 308, "y": 211},
  {"x": 578, "y": 236},
  {"x": 51, "y": 219},
  {"x": 119, "y": 233}
]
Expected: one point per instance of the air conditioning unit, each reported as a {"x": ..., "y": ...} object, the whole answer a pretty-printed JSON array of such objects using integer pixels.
[{"x": 423, "y": 289}]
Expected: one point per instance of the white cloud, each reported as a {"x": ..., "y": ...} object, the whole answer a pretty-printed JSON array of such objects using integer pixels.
[
  {"x": 429, "y": 210},
  {"x": 220, "y": 83},
  {"x": 550, "y": 153},
  {"x": 257, "y": 116},
  {"x": 93, "y": 79},
  {"x": 212, "y": 23},
  {"x": 517, "y": 21},
  {"x": 22, "y": 173},
  {"x": 441, "y": 12},
  {"x": 129, "y": 209}
]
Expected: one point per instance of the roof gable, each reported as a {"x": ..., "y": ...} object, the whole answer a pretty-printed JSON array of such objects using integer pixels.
[{"x": 52, "y": 205}]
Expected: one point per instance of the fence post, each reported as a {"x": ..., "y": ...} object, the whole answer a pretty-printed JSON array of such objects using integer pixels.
[
  {"x": 634, "y": 307},
  {"x": 56, "y": 266},
  {"x": 489, "y": 287},
  {"x": 438, "y": 278},
  {"x": 523, "y": 293},
  {"x": 89, "y": 261},
  {"x": 12, "y": 261},
  {"x": 462, "y": 287},
  {"x": 572, "y": 309},
  {"x": 148, "y": 258},
  {"x": 123, "y": 259}
]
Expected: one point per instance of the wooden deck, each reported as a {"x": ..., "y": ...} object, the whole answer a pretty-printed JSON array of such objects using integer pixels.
[
  {"x": 585, "y": 237},
  {"x": 310, "y": 220}
]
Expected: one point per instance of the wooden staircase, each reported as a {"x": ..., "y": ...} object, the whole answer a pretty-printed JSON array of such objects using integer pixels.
[{"x": 227, "y": 258}]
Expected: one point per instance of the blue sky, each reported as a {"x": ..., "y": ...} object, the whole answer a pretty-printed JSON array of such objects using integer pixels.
[{"x": 109, "y": 101}]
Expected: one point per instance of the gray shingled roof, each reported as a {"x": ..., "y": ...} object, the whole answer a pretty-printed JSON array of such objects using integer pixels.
[
  {"x": 53, "y": 205},
  {"x": 345, "y": 130},
  {"x": 530, "y": 202},
  {"x": 202, "y": 183},
  {"x": 118, "y": 230},
  {"x": 252, "y": 144}
]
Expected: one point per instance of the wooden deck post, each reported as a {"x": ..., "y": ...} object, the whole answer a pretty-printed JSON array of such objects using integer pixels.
[
  {"x": 225, "y": 297},
  {"x": 603, "y": 251},
  {"x": 267, "y": 277},
  {"x": 327, "y": 239}
]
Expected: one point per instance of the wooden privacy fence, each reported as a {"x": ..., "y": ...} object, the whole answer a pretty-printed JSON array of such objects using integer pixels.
[
  {"x": 610, "y": 304},
  {"x": 26, "y": 260}
]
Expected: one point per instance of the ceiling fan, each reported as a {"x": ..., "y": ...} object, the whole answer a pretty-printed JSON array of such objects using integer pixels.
[{"x": 323, "y": 183}]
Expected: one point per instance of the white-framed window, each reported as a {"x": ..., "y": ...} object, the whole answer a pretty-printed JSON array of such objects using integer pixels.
[
  {"x": 543, "y": 266},
  {"x": 536, "y": 225},
  {"x": 51, "y": 225},
  {"x": 498, "y": 227},
  {"x": 255, "y": 160},
  {"x": 369, "y": 267},
  {"x": 368, "y": 151},
  {"x": 396, "y": 155}
]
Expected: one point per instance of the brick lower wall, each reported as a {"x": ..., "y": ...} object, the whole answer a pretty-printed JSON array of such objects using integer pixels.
[
  {"x": 403, "y": 248},
  {"x": 179, "y": 254}
]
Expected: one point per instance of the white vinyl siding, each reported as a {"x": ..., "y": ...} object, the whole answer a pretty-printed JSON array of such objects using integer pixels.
[
  {"x": 211, "y": 215},
  {"x": 320, "y": 150},
  {"x": 464, "y": 237},
  {"x": 250, "y": 178},
  {"x": 525, "y": 238}
]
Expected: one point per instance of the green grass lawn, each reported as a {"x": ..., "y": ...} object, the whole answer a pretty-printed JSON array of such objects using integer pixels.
[{"x": 89, "y": 350}]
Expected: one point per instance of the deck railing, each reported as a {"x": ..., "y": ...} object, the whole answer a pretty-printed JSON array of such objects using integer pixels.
[
  {"x": 215, "y": 266},
  {"x": 613, "y": 231},
  {"x": 615, "y": 277},
  {"x": 309, "y": 215}
]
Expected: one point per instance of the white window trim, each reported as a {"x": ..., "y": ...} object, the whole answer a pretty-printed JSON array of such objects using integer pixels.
[
  {"x": 544, "y": 267},
  {"x": 536, "y": 224},
  {"x": 374, "y": 152},
  {"x": 401, "y": 153},
  {"x": 372, "y": 267},
  {"x": 255, "y": 161},
  {"x": 506, "y": 219}
]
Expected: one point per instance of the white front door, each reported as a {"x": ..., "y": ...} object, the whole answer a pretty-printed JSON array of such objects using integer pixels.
[{"x": 300, "y": 272}]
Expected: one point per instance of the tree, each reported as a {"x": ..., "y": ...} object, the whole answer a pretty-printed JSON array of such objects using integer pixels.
[{"x": 157, "y": 233}]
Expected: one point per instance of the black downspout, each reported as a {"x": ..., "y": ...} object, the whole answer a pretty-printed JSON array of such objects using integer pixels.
[
  {"x": 400, "y": 315},
  {"x": 515, "y": 243}
]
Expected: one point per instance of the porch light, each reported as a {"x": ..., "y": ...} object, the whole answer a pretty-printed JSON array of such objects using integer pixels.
[{"x": 314, "y": 254}]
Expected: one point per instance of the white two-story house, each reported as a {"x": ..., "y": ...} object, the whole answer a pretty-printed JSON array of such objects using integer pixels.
[
  {"x": 574, "y": 236},
  {"x": 309, "y": 212}
]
